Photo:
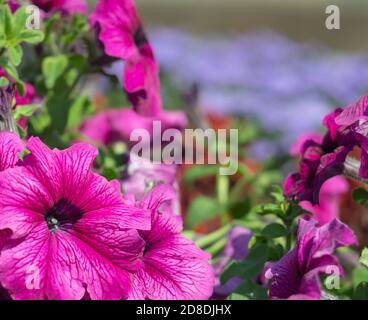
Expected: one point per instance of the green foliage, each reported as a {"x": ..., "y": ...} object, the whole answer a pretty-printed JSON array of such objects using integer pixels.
[
  {"x": 360, "y": 196},
  {"x": 13, "y": 33},
  {"x": 25, "y": 111},
  {"x": 250, "y": 266},
  {"x": 52, "y": 68},
  {"x": 200, "y": 210},
  {"x": 364, "y": 257}
]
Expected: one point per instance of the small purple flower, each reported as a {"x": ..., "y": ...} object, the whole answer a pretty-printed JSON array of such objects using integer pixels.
[
  {"x": 236, "y": 249},
  {"x": 296, "y": 275}
]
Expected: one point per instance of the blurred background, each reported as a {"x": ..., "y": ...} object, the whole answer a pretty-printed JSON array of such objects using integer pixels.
[
  {"x": 270, "y": 68},
  {"x": 300, "y": 20}
]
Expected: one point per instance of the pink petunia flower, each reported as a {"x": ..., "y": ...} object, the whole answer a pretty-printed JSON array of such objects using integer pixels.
[
  {"x": 296, "y": 275},
  {"x": 10, "y": 147},
  {"x": 322, "y": 160},
  {"x": 329, "y": 200},
  {"x": 331, "y": 190},
  {"x": 173, "y": 266},
  {"x": 117, "y": 124},
  {"x": 122, "y": 34},
  {"x": 71, "y": 233}
]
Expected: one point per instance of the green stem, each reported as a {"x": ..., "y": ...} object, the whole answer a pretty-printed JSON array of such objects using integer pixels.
[
  {"x": 288, "y": 221},
  {"x": 217, "y": 247},
  {"x": 213, "y": 237},
  {"x": 223, "y": 186}
]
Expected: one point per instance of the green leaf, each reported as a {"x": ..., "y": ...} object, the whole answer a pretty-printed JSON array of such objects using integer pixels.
[
  {"x": 360, "y": 196},
  {"x": 19, "y": 21},
  {"x": 200, "y": 210},
  {"x": 52, "y": 68},
  {"x": 2, "y": 37},
  {"x": 237, "y": 296},
  {"x": 364, "y": 257},
  {"x": 277, "y": 193},
  {"x": 265, "y": 209},
  {"x": 20, "y": 87},
  {"x": 274, "y": 230},
  {"x": 250, "y": 266},
  {"x": 7, "y": 20},
  {"x": 360, "y": 274},
  {"x": 251, "y": 290},
  {"x": 15, "y": 54},
  {"x": 25, "y": 111},
  {"x": 361, "y": 291},
  {"x": 31, "y": 36},
  {"x": 4, "y": 82},
  {"x": 77, "y": 112}
]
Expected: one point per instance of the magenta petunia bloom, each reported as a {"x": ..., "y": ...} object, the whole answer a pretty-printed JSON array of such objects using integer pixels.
[
  {"x": 331, "y": 190},
  {"x": 321, "y": 161},
  {"x": 329, "y": 200},
  {"x": 173, "y": 266},
  {"x": 64, "y": 6},
  {"x": 296, "y": 275},
  {"x": 10, "y": 147},
  {"x": 72, "y": 235},
  {"x": 122, "y": 33},
  {"x": 117, "y": 124},
  {"x": 13, "y": 5}
]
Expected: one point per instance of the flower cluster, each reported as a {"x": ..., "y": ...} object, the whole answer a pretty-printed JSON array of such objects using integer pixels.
[
  {"x": 296, "y": 275},
  {"x": 87, "y": 215},
  {"x": 324, "y": 159},
  {"x": 67, "y": 233}
]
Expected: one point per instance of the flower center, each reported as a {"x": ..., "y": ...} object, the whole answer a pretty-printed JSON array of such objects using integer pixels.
[
  {"x": 62, "y": 214},
  {"x": 140, "y": 38}
]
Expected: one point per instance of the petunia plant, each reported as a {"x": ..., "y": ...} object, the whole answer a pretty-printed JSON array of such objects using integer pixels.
[{"x": 83, "y": 216}]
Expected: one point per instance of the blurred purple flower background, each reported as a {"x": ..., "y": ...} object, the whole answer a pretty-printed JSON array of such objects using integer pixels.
[{"x": 265, "y": 76}]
